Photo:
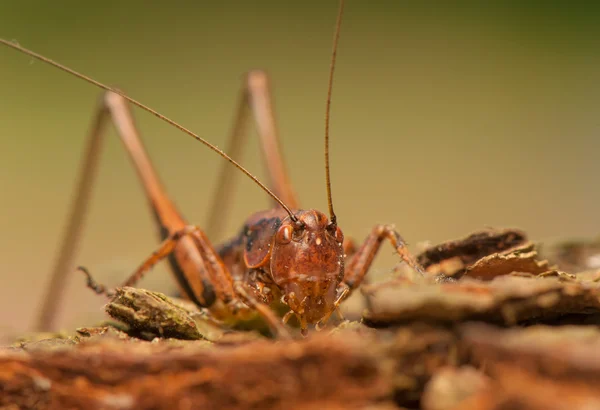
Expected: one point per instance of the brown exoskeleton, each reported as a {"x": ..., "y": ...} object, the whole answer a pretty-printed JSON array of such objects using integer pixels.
[{"x": 285, "y": 254}]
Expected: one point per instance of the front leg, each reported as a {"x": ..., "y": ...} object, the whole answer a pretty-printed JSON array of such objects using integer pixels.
[
  {"x": 361, "y": 261},
  {"x": 277, "y": 327},
  {"x": 261, "y": 287}
]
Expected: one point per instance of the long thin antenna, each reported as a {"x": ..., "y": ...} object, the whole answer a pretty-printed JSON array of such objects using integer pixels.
[
  {"x": 153, "y": 112},
  {"x": 336, "y": 37}
]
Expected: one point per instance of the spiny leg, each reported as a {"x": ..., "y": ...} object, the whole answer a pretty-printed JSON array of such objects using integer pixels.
[
  {"x": 274, "y": 322},
  {"x": 200, "y": 273},
  {"x": 256, "y": 98},
  {"x": 98, "y": 288},
  {"x": 361, "y": 261},
  {"x": 111, "y": 106},
  {"x": 165, "y": 248},
  {"x": 203, "y": 314}
]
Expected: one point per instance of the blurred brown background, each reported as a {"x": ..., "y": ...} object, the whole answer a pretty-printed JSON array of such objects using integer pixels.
[{"x": 445, "y": 119}]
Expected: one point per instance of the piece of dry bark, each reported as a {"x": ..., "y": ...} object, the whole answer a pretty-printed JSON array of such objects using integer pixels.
[
  {"x": 485, "y": 254},
  {"x": 152, "y": 313},
  {"x": 539, "y": 367},
  {"x": 452, "y": 256},
  {"x": 505, "y": 299},
  {"x": 522, "y": 259},
  {"x": 105, "y": 372},
  {"x": 149, "y": 314}
]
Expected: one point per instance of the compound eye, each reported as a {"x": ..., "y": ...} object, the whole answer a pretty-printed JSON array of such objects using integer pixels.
[{"x": 284, "y": 235}]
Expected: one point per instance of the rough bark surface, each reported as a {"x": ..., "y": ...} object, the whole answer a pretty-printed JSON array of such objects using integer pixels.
[
  {"x": 115, "y": 373},
  {"x": 509, "y": 331}
]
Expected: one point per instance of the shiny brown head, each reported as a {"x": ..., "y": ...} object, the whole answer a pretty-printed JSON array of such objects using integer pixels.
[{"x": 307, "y": 264}]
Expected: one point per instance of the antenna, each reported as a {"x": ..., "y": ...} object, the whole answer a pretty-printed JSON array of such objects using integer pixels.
[
  {"x": 336, "y": 38},
  {"x": 153, "y": 112}
]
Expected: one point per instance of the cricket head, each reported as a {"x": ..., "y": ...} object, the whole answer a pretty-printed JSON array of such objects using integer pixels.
[{"x": 307, "y": 264}]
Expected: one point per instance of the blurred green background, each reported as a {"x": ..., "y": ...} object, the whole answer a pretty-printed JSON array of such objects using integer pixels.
[{"x": 445, "y": 119}]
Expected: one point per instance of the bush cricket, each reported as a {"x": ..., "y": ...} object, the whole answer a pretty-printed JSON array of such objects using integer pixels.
[{"x": 299, "y": 258}]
